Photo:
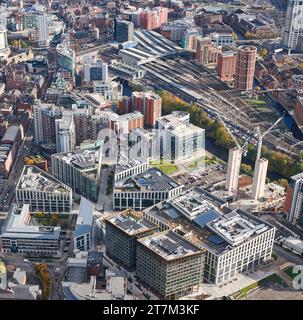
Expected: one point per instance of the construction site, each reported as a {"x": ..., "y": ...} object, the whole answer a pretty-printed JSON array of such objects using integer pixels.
[{"x": 194, "y": 83}]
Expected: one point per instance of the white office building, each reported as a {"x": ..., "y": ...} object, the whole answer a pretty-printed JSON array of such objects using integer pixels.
[
  {"x": 22, "y": 235},
  {"x": 42, "y": 26},
  {"x": 43, "y": 192},
  {"x": 235, "y": 241},
  {"x": 110, "y": 90},
  {"x": 239, "y": 242},
  {"x": 293, "y": 29},
  {"x": 144, "y": 190},
  {"x": 179, "y": 138}
]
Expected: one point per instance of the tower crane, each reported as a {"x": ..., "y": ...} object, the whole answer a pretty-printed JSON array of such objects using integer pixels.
[
  {"x": 260, "y": 168},
  {"x": 260, "y": 136},
  {"x": 244, "y": 147}
]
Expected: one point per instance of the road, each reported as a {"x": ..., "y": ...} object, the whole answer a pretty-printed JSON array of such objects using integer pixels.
[{"x": 288, "y": 255}]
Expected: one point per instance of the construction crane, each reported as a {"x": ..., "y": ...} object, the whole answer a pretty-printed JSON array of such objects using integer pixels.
[
  {"x": 244, "y": 147},
  {"x": 233, "y": 170},
  {"x": 260, "y": 136}
]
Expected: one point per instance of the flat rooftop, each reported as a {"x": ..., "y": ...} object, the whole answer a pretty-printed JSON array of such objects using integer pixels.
[
  {"x": 125, "y": 162},
  {"x": 132, "y": 223},
  {"x": 152, "y": 179},
  {"x": 170, "y": 245},
  {"x": 235, "y": 227},
  {"x": 217, "y": 230},
  {"x": 85, "y": 217},
  {"x": 19, "y": 225},
  {"x": 196, "y": 201},
  {"x": 83, "y": 159},
  {"x": 35, "y": 179}
]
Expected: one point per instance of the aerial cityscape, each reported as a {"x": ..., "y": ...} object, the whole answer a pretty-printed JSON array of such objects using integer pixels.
[{"x": 151, "y": 150}]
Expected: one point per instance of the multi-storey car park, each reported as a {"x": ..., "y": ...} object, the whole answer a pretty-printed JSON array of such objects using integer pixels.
[
  {"x": 234, "y": 240},
  {"x": 43, "y": 192}
]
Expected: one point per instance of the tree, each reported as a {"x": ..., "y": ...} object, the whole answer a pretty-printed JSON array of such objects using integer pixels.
[
  {"x": 54, "y": 219},
  {"x": 24, "y": 45},
  {"x": 234, "y": 36},
  {"x": 247, "y": 169},
  {"x": 15, "y": 43},
  {"x": 263, "y": 52},
  {"x": 282, "y": 182}
]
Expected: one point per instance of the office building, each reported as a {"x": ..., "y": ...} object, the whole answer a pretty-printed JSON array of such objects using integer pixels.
[
  {"x": 110, "y": 90},
  {"x": 234, "y": 240},
  {"x": 124, "y": 31},
  {"x": 293, "y": 29},
  {"x": 294, "y": 200},
  {"x": 179, "y": 138},
  {"x": 259, "y": 179},
  {"x": 80, "y": 169},
  {"x": 245, "y": 68},
  {"x": 233, "y": 169},
  {"x": 169, "y": 265},
  {"x": 43, "y": 192},
  {"x": 144, "y": 190},
  {"x": 66, "y": 58},
  {"x": 42, "y": 26},
  {"x": 21, "y": 235},
  {"x": 93, "y": 71},
  {"x": 65, "y": 132},
  {"x": 122, "y": 231},
  {"x": 145, "y": 143},
  {"x": 82, "y": 239},
  {"x": 238, "y": 242},
  {"x": 226, "y": 65}
]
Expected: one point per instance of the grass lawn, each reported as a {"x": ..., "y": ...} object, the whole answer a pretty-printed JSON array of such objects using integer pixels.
[
  {"x": 256, "y": 102},
  {"x": 202, "y": 161},
  {"x": 272, "y": 279},
  {"x": 165, "y": 166},
  {"x": 289, "y": 272}
]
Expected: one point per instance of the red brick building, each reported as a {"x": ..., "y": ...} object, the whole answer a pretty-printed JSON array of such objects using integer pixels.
[
  {"x": 226, "y": 65},
  {"x": 245, "y": 68}
]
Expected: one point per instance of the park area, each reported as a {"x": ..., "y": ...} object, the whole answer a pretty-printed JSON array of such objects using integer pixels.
[{"x": 165, "y": 166}]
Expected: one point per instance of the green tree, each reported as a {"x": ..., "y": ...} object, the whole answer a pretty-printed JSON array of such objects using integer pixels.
[
  {"x": 247, "y": 169},
  {"x": 263, "y": 52},
  {"x": 15, "y": 43}
]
